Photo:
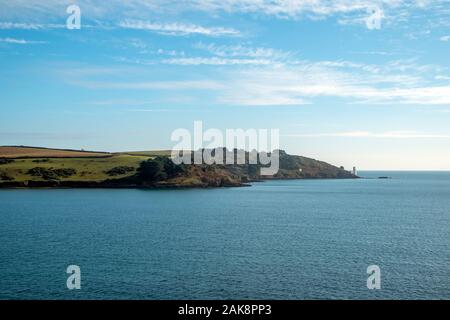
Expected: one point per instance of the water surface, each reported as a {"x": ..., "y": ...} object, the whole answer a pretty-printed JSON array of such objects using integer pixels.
[{"x": 305, "y": 239}]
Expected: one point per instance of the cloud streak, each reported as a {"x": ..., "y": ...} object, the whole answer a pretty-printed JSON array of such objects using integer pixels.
[
  {"x": 348, "y": 11},
  {"x": 151, "y": 85},
  {"x": 233, "y": 51},
  {"x": 367, "y": 134},
  {"x": 195, "y": 61},
  {"x": 308, "y": 81},
  {"x": 24, "y": 26},
  {"x": 178, "y": 29},
  {"x": 263, "y": 82},
  {"x": 20, "y": 41},
  {"x": 293, "y": 9}
]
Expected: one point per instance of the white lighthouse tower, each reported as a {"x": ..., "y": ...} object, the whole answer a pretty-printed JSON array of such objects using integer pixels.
[{"x": 354, "y": 171}]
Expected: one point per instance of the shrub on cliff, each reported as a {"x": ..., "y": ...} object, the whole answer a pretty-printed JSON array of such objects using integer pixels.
[
  {"x": 117, "y": 171},
  {"x": 158, "y": 169},
  {"x": 151, "y": 170},
  {"x": 50, "y": 173},
  {"x": 6, "y": 161},
  {"x": 5, "y": 177}
]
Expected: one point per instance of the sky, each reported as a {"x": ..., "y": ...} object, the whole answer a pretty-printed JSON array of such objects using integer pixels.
[{"x": 353, "y": 83}]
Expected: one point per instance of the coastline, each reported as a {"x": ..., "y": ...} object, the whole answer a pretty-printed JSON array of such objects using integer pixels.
[
  {"x": 153, "y": 170},
  {"x": 118, "y": 184}
]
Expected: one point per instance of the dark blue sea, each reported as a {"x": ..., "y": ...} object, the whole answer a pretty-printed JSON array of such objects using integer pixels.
[{"x": 304, "y": 239}]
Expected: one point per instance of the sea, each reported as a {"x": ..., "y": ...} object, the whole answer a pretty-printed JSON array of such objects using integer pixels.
[{"x": 290, "y": 239}]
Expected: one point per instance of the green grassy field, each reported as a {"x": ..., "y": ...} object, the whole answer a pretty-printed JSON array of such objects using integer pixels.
[
  {"x": 14, "y": 152},
  {"x": 156, "y": 153},
  {"x": 87, "y": 169}
]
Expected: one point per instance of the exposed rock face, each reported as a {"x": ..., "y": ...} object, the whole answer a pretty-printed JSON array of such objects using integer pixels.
[
  {"x": 291, "y": 167},
  {"x": 297, "y": 167}
]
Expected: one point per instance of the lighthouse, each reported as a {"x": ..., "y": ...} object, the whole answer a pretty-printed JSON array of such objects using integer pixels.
[{"x": 354, "y": 172}]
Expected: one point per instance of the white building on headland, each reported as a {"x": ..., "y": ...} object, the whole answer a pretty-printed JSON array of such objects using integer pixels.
[{"x": 354, "y": 171}]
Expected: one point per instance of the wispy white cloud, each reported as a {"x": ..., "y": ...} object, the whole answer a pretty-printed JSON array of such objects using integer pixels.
[
  {"x": 140, "y": 103},
  {"x": 445, "y": 38},
  {"x": 263, "y": 82},
  {"x": 378, "y": 135},
  {"x": 219, "y": 56},
  {"x": 264, "y": 99},
  {"x": 293, "y": 9},
  {"x": 172, "y": 53},
  {"x": 20, "y": 41},
  {"x": 373, "y": 53},
  {"x": 151, "y": 85},
  {"x": 154, "y": 110},
  {"x": 215, "y": 61},
  {"x": 442, "y": 111},
  {"x": 234, "y": 51},
  {"x": 178, "y": 29},
  {"x": 8, "y": 25},
  {"x": 25, "y": 26},
  {"x": 308, "y": 81},
  {"x": 441, "y": 77},
  {"x": 348, "y": 11}
]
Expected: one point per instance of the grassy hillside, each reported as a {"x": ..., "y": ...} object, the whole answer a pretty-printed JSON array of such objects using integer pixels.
[
  {"x": 155, "y": 153},
  {"x": 86, "y": 169},
  {"x": 32, "y": 152}
]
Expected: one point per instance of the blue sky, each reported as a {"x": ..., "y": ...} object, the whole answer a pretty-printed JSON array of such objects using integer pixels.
[{"x": 338, "y": 88}]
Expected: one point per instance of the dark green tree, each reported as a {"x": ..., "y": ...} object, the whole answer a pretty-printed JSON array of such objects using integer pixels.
[
  {"x": 151, "y": 170},
  {"x": 159, "y": 168},
  {"x": 172, "y": 169},
  {"x": 253, "y": 170}
]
